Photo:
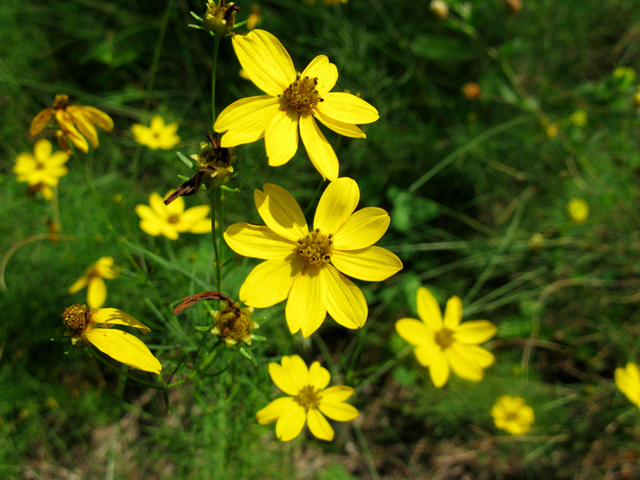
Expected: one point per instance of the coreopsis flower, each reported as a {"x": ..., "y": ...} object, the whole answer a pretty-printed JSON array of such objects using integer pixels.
[
  {"x": 293, "y": 100},
  {"x": 93, "y": 326},
  {"x": 578, "y": 210},
  {"x": 309, "y": 399},
  {"x": 170, "y": 220},
  {"x": 234, "y": 324},
  {"x": 447, "y": 345},
  {"x": 157, "y": 134},
  {"x": 307, "y": 267},
  {"x": 72, "y": 118},
  {"x": 93, "y": 278},
  {"x": 513, "y": 415},
  {"x": 628, "y": 382},
  {"x": 42, "y": 170}
]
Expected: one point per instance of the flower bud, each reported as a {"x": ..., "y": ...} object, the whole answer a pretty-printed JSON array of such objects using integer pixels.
[
  {"x": 471, "y": 91},
  {"x": 220, "y": 18},
  {"x": 439, "y": 9}
]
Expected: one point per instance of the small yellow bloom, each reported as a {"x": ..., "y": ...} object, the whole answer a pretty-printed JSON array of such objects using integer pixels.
[
  {"x": 297, "y": 264},
  {"x": 169, "y": 220},
  {"x": 157, "y": 135},
  {"x": 97, "y": 291},
  {"x": 578, "y": 210},
  {"x": 42, "y": 169},
  {"x": 579, "y": 118},
  {"x": 449, "y": 345},
  {"x": 293, "y": 100},
  {"x": 93, "y": 326},
  {"x": 310, "y": 399},
  {"x": 67, "y": 115},
  {"x": 628, "y": 382},
  {"x": 254, "y": 18},
  {"x": 513, "y": 415}
]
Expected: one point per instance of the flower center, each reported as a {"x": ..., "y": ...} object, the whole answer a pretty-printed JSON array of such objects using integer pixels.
[
  {"x": 308, "y": 397},
  {"x": 316, "y": 247},
  {"x": 75, "y": 318},
  {"x": 39, "y": 166},
  {"x": 302, "y": 94},
  {"x": 511, "y": 416},
  {"x": 444, "y": 338},
  {"x": 60, "y": 102},
  {"x": 173, "y": 218}
]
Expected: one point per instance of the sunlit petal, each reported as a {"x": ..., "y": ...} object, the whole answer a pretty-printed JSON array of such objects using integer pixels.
[
  {"x": 246, "y": 120},
  {"x": 453, "y": 313},
  {"x": 439, "y": 370},
  {"x": 336, "y": 205},
  {"x": 428, "y": 309},
  {"x": 475, "y": 331},
  {"x": 290, "y": 423},
  {"x": 124, "y": 348},
  {"x": 281, "y": 212},
  {"x": 281, "y": 137},
  {"x": 362, "y": 229},
  {"x": 320, "y": 151},
  {"x": 319, "y": 377},
  {"x": 324, "y": 71},
  {"x": 98, "y": 118},
  {"x": 96, "y": 293},
  {"x": 257, "y": 242},
  {"x": 427, "y": 351},
  {"x": 461, "y": 365},
  {"x": 275, "y": 410},
  {"x": 318, "y": 425},
  {"x": 85, "y": 126},
  {"x": 347, "y": 108},
  {"x": 113, "y": 316},
  {"x": 298, "y": 370},
  {"x": 270, "y": 282},
  {"x": 284, "y": 380},
  {"x": 413, "y": 331},
  {"x": 344, "y": 300},
  {"x": 336, "y": 394},
  {"x": 372, "y": 264},
  {"x": 305, "y": 307},
  {"x": 346, "y": 129}
]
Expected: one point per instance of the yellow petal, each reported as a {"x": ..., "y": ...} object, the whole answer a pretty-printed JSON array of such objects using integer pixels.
[
  {"x": 347, "y": 108},
  {"x": 344, "y": 300},
  {"x": 275, "y": 410},
  {"x": 281, "y": 212},
  {"x": 47, "y": 193},
  {"x": 439, "y": 370},
  {"x": 337, "y": 393},
  {"x": 413, "y": 331},
  {"x": 295, "y": 366},
  {"x": 96, "y": 293},
  {"x": 257, "y": 242},
  {"x": 336, "y": 205},
  {"x": 318, "y": 425},
  {"x": 429, "y": 310},
  {"x": 85, "y": 126},
  {"x": 113, "y": 316},
  {"x": 284, "y": 380},
  {"x": 362, "y": 229},
  {"x": 333, "y": 406},
  {"x": 427, "y": 351},
  {"x": 325, "y": 72},
  {"x": 453, "y": 313},
  {"x": 41, "y": 120},
  {"x": 627, "y": 383},
  {"x": 25, "y": 164},
  {"x": 281, "y": 137},
  {"x": 290, "y": 423},
  {"x": 305, "y": 307},
  {"x": 372, "y": 264},
  {"x": 483, "y": 357},
  {"x": 319, "y": 377},
  {"x": 58, "y": 159},
  {"x": 475, "y": 331},
  {"x": 461, "y": 365},
  {"x": 124, "y": 348},
  {"x": 42, "y": 150},
  {"x": 246, "y": 120},
  {"x": 97, "y": 117},
  {"x": 270, "y": 282},
  {"x": 194, "y": 215},
  {"x": 203, "y": 226},
  {"x": 66, "y": 125},
  {"x": 79, "y": 284},
  {"x": 103, "y": 267},
  {"x": 320, "y": 151},
  {"x": 346, "y": 129}
]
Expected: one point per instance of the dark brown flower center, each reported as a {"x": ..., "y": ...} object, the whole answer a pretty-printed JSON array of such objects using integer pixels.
[
  {"x": 308, "y": 397},
  {"x": 316, "y": 247},
  {"x": 173, "y": 218},
  {"x": 76, "y": 318},
  {"x": 302, "y": 94},
  {"x": 445, "y": 338}
]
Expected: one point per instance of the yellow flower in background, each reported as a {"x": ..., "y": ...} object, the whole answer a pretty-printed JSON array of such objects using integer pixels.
[
  {"x": 157, "y": 135},
  {"x": 447, "y": 345},
  {"x": 42, "y": 168},
  {"x": 513, "y": 415},
  {"x": 93, "y": 326},
  {"x": 628, "y": 382},
  {"x": 254, "y": 18},
  {"x": 93, "y": 278},
  {"x": 170, "y": 220},
  {"x": 297, "y": 264},
  {"x": 71, "y": 119},
  {"x": 310, "y": 399},
  {"x": 293, "y": 100},
  {"x": 578, "y": 118},
  {"x": 578, "y": 210}
]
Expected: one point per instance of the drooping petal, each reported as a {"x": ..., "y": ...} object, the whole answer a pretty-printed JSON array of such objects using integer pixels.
[
  {"x": 319, "y": 377},
  {"x": 345, "y": 302},
  {"x": 265, "y": 61},
  {"x": 246, "y": 120},
  {"x": 275, "y": 410},
  {"x": 85, "y": 126},
  {"x": 281, "y": 137},
  {"x": 336, "y": 394},
  {"x": 347, "y": 108},
  {"x": 113, "y": 316},
  {"x": 103, "y": 267},
  {"x": 318, "y": 425},
  {"x": 40, "y": 121},
  {"x": 372, "y": 264},
  {"x": 427, "y": 351},
  {"x": 413, "y": 331},
  {"x": 346, "y": 129},
  {"x": 362, "y": 229},
  {"x": 439, "y": 370},
  {"x": 320, "y": 151},
  {"x": 257, "y": 242},
  {"x": 96, "y": 293},
  {"x": 428, "y": 309},
  {"x": 270, "y": 282},
  {"x": 483, "y": 357},
  {"x": 305, "y": 308},
  {"x": 42, "y": 150},
  {"x": 66, "y": 124},
  {"x": 284, "y": 380},
  {"x": 124, "y": 348},
  {"x": 336, "y": 205},
  {"x": 98, "y": 117},
  {"x": 290, "y": 423},
  {"x": 281, "y": 212},
  {"x": 475, "y": 331},
  {"x": 453, "y": 313},
  {"x": 324, "y": 71},
  {"x": 298, "y": 370},
  {"x": 79, "y": 284},
  {"x": 461, "y": 365}
]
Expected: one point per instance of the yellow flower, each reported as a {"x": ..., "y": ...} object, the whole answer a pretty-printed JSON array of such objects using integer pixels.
[
  {"x": 157, "y": 135},
  {"x": 578, "y": 118},
  {"x": 578, "y": 210},
  {"x": 84, "y": 327},
  {"x": 310, "y": 399},
  {"x": 169, "y": 220},
  {"x": 628, "y": 382},
  {"x": 442, "y": 346},
  {"x": 42, "y": 168},
  {"x": 513, "y": 415},
  {"x": 297, "y": 261},
  {"x": 84, "y": 119},
  {"x": 255, "y": 17},
  {"x": 292, "y": 99},
  {"x": 97, "y": 291}
]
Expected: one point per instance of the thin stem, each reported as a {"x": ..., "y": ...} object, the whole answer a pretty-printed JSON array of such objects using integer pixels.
[
  {"x": 213, "y": 196},
  {"x": 216, "y": 46}
]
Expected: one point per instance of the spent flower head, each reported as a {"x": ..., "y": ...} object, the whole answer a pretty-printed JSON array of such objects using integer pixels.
[
  {"x": 42, "y": 169},
  {"x": 513, "y": 415},
  {"x": 170, "y": 220},
  {"x": 220, "y": 17},
  {"x": 157, "y": 134},
  {"x": 233, "y": 324},
  {"x": 93, "y": 278}
]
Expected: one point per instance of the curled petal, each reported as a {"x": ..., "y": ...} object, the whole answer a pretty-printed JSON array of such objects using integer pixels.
[
  {"x": 270, "y": 282},
  {"x": 97, "y": 117},
  {"x": 372, "y": 264},
  {"x": 318, "y": 425},
  {"x": 345, "y": 129},
  {"x": 275, "y": 410},
  {"x": 336, "y": 205},
  {"x": 124, "y": 348},
  {"x": 362, "y": 229},
  {"x": 85, "y": 126},
  {"x": 281, "y": 212},
  {"x": 320, "y": 151},
  {"x": 344, "y": 300},
  {"x": 257, "y": 242}
]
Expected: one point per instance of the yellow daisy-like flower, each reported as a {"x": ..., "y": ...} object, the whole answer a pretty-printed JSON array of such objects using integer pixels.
[
  {"x": 157, "y": 135},
  {"x": 513, "y": 415},
  {"x": 297, "y": 261},
  {"x": 310, "y": 399},
  {"x": 292, "y": 100},
  {"x": 447, "y": 345},
  {"x": 93, "y": 326},
  {"x": 578, "y": 210},
  {"x": 69, "y": 117},
  {"x": 628, "y": 382},
  {"x": 97, "y": 291},
  {"x": 169, "y": 220},
  {"x": 42, "y": 168}
]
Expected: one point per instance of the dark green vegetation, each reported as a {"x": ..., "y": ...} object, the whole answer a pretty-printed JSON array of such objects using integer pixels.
[{"x": 468, "y": 183}]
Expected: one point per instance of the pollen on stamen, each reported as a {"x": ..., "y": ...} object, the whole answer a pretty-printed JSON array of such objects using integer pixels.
[
  {"x": 302, "y": 94},
  {"x": 316, "y": 248}
]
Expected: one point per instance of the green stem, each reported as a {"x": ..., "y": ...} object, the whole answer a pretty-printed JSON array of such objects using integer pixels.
[
  {"x": 213, "y": 196},
  {"x": 216, "y": 46}
]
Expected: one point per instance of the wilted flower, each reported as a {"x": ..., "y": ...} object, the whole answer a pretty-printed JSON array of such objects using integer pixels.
[
  {"x": 234, "y": 324},
  {"x": 220, "y": 18},
  {"x": 513, "y": 415}
]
